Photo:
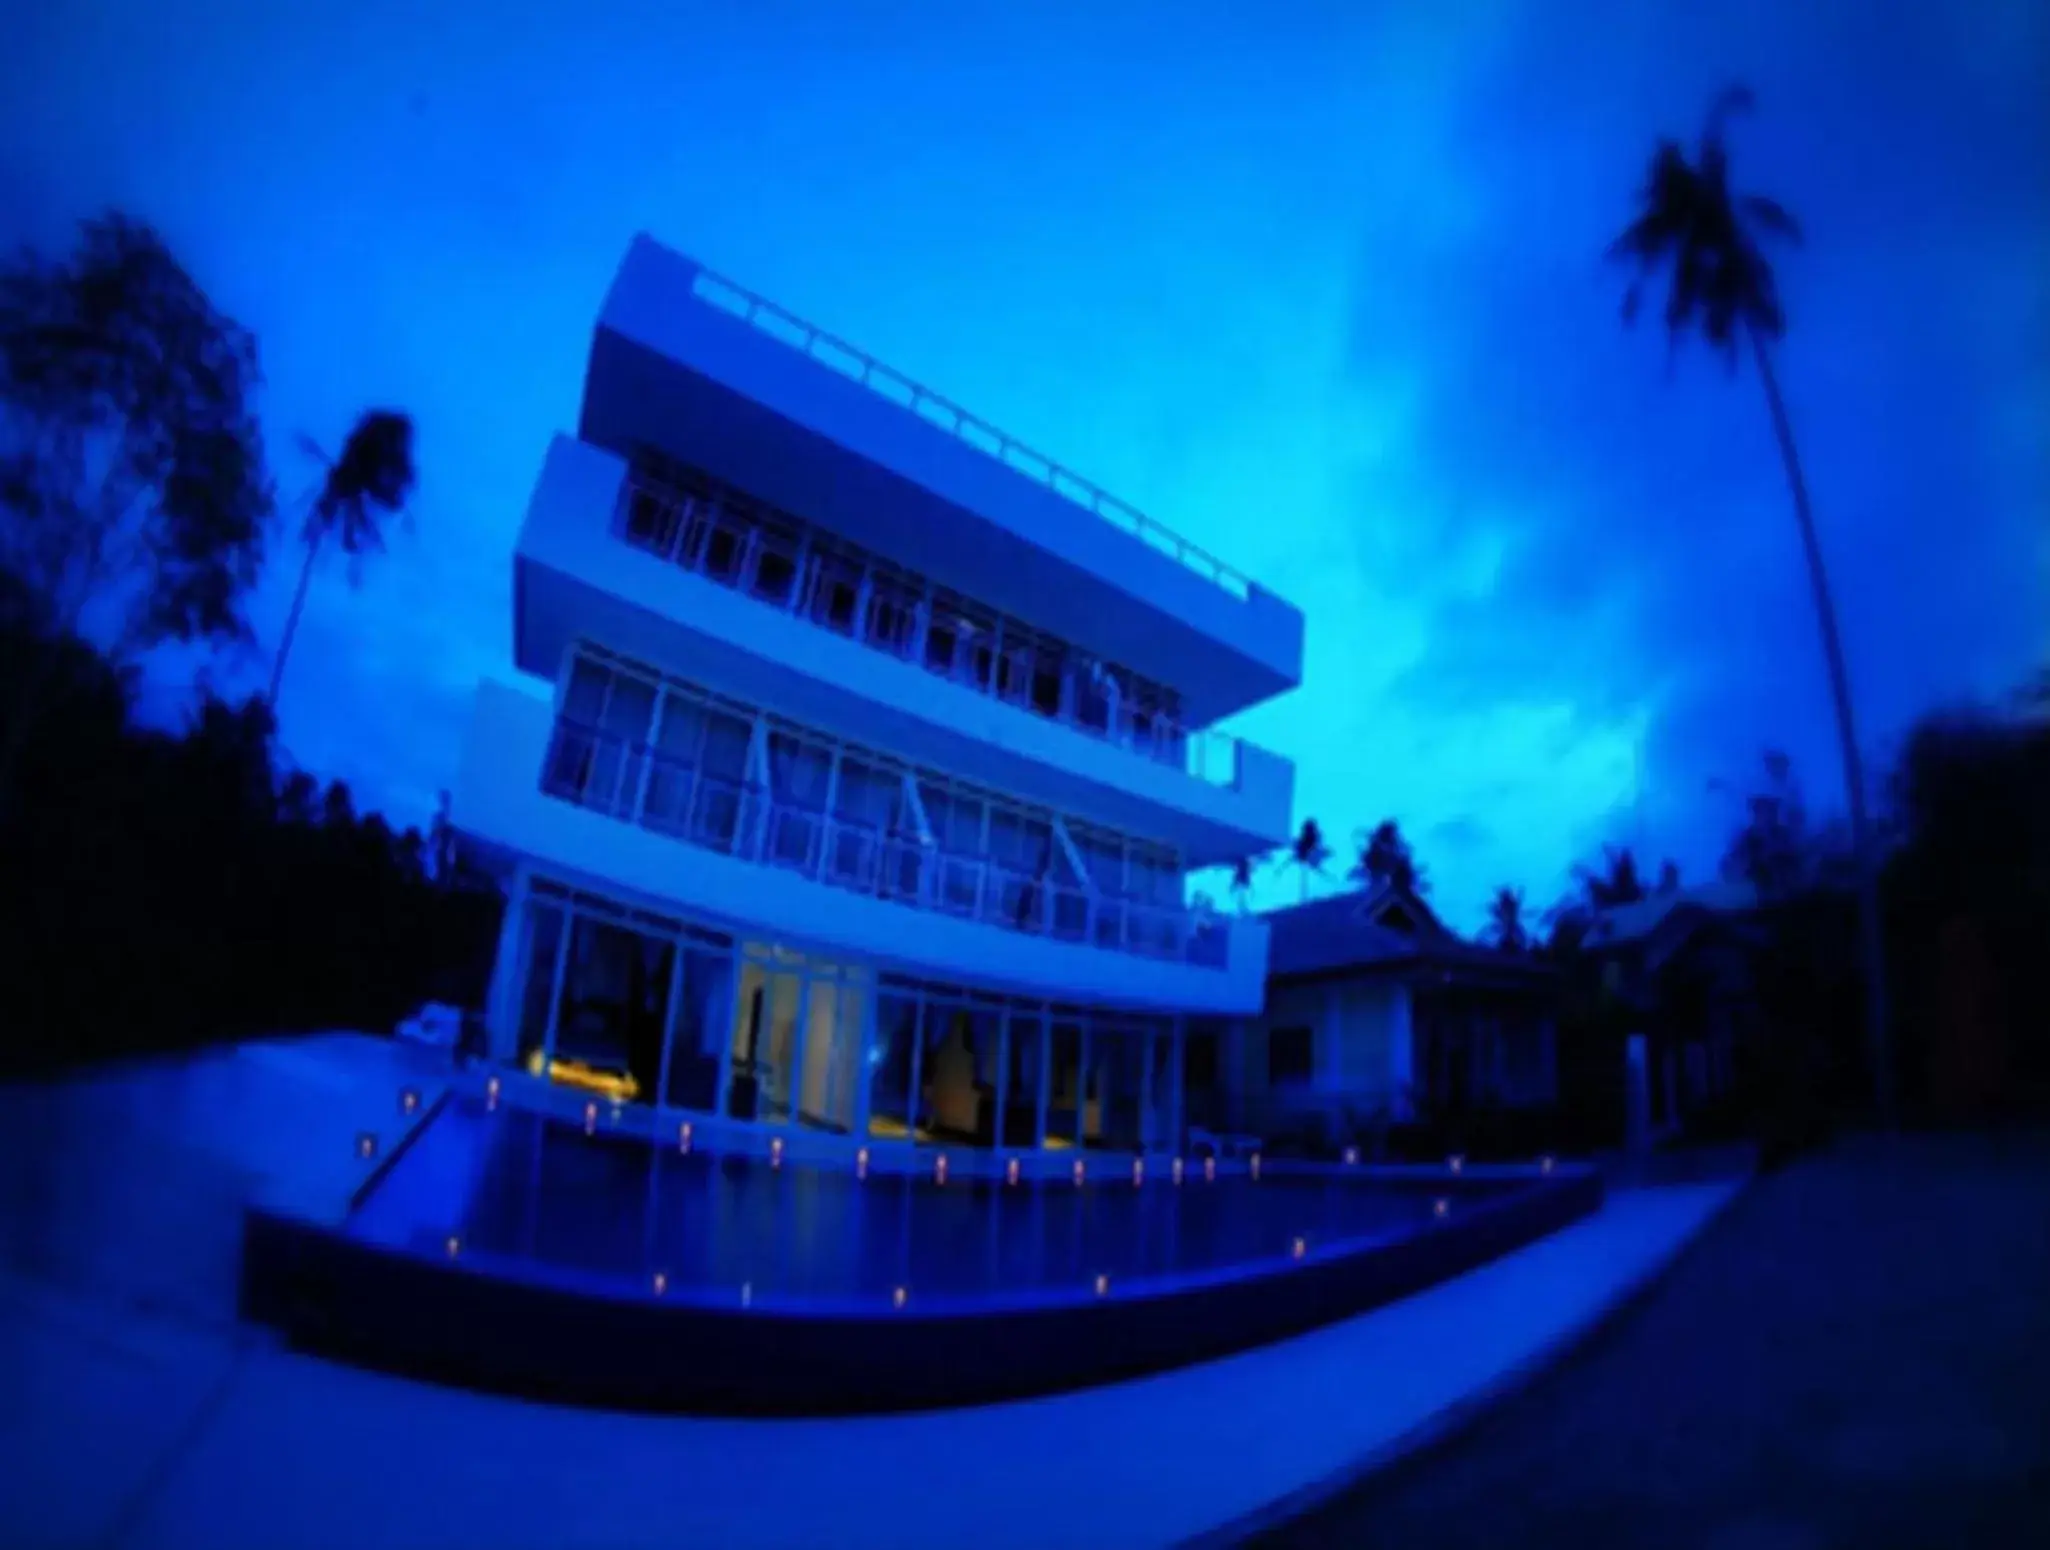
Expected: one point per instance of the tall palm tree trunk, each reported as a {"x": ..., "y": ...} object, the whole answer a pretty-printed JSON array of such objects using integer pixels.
[
  {"x": 1864, "y": 853},
  {"x": 277, "y": 672}
]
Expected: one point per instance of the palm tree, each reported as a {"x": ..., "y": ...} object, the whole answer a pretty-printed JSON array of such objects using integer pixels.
[
  {"x": 1242, "y": 881},
  {"x": 1384, "y": 856},
  {"x": 1690, "y": 223},
  {"x": 1505, "y": 921},
  {"x": 1616, "y": 883},
  {"x": 366, "y": 484},
  {"x": 1308, "y": 852}
]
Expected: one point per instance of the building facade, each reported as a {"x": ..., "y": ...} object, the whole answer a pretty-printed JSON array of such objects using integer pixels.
[
  {"x": 857, "y": 755},
  {"x": 1376, "y": 1014}
]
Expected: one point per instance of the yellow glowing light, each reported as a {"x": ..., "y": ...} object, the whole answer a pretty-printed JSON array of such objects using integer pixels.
[
  {"x": 491, "y": 1093},
  {"x": 683, "y": 1136},
  {"x": 1011, "y": 1171},
  {"x": 1455, "y": 1162},
  {"x": 939, "y": 1169},
  {"x": 1545, "y": 1165},
  {"x": 454, "y": 1245},
  {"x": 366, "y": 1145},
  {"x": 1138, "y": 1170},
  {"x": 409, "y": 1100},
  {"x": 1210, "y": 1170},
  {"x": 1103, "y": 1286},
  {"x": 776, "y": 1152},
  {"x": 898, "y": 1297},
  {"x": 1079, "y": 1171},
  {"x": 616, "y": 1085},
  {"x": 1254, "y": 1165},
  {"x": 590, "y": 1118},
  {"x": 661, "y": 1283},
  {"x": 1299, "y": 1248},
  {"x": 1440, "y": 1207},
  {"x": 747, "y": 1293},
  {"x": 1176, "y": 1171},
  {"x": 861, "y": 1163},
  {"x": 1352, "y": 1155}
]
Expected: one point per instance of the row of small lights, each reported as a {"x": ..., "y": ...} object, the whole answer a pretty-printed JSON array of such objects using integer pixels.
[{"x": 409, "y": 1103}]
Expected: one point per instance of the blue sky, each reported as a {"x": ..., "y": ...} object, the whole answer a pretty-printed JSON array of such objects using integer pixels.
[{"x": 1317, "y": 284}]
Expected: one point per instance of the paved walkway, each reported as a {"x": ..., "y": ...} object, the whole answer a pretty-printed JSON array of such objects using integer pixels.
[
  {"x": 143, "y": 1420},
  {"x": 1857, "y": 1354}
]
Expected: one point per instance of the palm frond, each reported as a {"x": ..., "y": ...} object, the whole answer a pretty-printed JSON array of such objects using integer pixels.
[{"x": 1770, "y": 215}]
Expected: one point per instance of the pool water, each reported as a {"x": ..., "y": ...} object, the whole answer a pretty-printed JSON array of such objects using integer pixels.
[{"x": 523, "y": 1194}]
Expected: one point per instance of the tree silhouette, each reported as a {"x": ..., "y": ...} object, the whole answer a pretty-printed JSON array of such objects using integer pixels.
[
  {"x": 1773, "y": 851},
  {"x": 1308, "y": 853},
  {"x": 367, "y": 484},
  {"x": 1615, "y": 883},
  {"x": 1242, "y": 882},
  {"x": 132, "y": 479},
  {"x": 1384, "y": 856},
  {"x": 1709, "y": 239},
  {"x": 1506, "y": 929}
]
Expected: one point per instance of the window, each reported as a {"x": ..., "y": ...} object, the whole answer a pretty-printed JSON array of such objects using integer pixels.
[{"x": 1290, "y": 1053}]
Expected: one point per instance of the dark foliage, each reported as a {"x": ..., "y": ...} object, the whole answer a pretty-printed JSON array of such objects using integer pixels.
[
  {"x": 166, "y": 891},
  {"x": 1384, "y": 856}
]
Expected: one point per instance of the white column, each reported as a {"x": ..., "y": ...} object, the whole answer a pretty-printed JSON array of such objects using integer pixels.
[
  {"x": 1003, "y": 1082},
  {"x": 508, "y": 973}
]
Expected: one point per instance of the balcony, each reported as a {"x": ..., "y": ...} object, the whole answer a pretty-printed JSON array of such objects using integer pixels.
[
  {"x": 637, "y": 785},
  {"x": 723, "y": 536},
  {"x": 776, "y": 615},
  {"x": 718, "y": 849},
  {"x": 687, "y": 365}
]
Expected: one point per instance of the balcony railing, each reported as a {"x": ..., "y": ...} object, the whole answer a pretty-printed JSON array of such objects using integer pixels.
[
  {"x": 836, "y": 592},
  {"x": 949, "y": 416},
  {"x": 632, "y": 782}
]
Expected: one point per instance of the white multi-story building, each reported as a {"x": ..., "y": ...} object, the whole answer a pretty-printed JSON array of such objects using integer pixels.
[{"x": 861, "y": 755}]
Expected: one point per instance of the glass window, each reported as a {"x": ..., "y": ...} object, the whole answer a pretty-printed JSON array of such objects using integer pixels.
[
  {"x": 701, "y": 1020},
  {"x": 775, "y": 566},
  {"x": 584, "y": 700},
  {"x": 543, "y": 947},
  {"x": 891, "y": 1109}
]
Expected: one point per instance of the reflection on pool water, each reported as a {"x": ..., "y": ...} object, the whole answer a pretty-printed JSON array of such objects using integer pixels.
[{"x": 521, "y": 1194}]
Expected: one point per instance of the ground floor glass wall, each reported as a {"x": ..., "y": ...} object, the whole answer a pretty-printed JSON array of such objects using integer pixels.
[{"x": 648, "y": 1008}]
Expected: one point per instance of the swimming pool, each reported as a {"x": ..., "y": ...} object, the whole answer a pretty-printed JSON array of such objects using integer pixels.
[{"x": 508, "y": 1249}]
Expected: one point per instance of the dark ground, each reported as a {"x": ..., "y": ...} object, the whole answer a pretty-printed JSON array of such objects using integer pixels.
[{"x": 1856, "y": 1354}]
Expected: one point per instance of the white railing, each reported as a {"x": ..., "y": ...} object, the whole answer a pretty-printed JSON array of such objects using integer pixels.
[
  {"x": 633, "y": 782},
  {"x": 938, "y": 410},
  {"x": 724, "y": 546}
]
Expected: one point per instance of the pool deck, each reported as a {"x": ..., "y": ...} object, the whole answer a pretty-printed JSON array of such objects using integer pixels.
[{"x": 155, "y": 1421}]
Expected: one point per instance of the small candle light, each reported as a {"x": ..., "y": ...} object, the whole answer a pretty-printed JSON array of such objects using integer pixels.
[
  {"x": 1299, "y": 1248},
  {"x": 454, "y": 1245},
  {"x": 1138, "y": 1170},
  {"x": 1253, "y": 1165},
  {"x": 1210, "y": 1170},
  {"x": 617, "y": 1111},
  {"x": 491, "y": 1093},
  {"x": 1440, "y": 1206},
  {"x": 409, "y": 1100},
  {"x": 1455, "y": 1162},
  {"x": 1011, "y": 1171},
  {"x": 939, "y": 1169},
  {"x": 1176, "y": 1171},
  {"x": 683, "y": 1136},
  {"x": 1103, "y": 1286},
  {"x": 747, "y": 1294},
  {"x": 775, "y": 1151},
  {"x": 1078, "y": 1172},
  {"x": 861, "y": 1163},
  {"x": 661, "y": 1283},
  {"x": 1545, "y": 1165},
  {"x": 366, "y": 1145},
  {"x": 897, "y": 1298},
  {"x": 1352, "y": 1155},
  {"x": 590, "y": 1118}
]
